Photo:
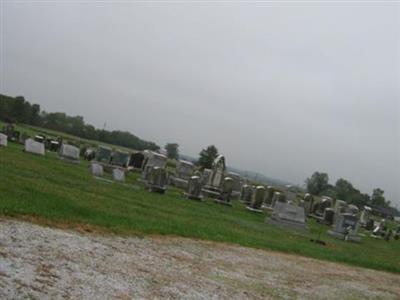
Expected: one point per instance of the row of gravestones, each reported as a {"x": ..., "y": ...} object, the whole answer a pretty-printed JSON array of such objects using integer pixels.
[
  {"x": 97, "y": 171},
  {"x": 66, "y": 152},
  {"x": 344, "y": 218}
]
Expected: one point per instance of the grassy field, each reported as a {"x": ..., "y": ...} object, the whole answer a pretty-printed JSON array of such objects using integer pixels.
[
  {"x": 49, "y": 190},
  {"x": 33, "y": 130}
]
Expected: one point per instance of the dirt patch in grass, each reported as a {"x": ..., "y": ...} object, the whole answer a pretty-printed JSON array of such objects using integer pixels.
[{"x": 40, "y": 262}]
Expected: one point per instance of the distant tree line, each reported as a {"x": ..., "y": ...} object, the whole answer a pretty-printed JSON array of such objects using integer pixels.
[
  {"x": 18, "y": 110},
  {"x": 318, "y": 184}
]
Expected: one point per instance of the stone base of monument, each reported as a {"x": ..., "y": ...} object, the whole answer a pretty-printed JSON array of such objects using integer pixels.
[
  {"x": 157, "y": 189},
  {"x": 235, "y": 195},
  {"x": 267, "y": 207},
  {"x": 179, "y": 183},
  {"x": 316, "y": 217},
  {"x": 339, "y": 235},
  {"x": 288, "y": 224},
  {"x": 193, "y": 197},
  {"x": 211, "y": 192},
  {"x": 223, "y": 202},
  {"x": 254, "y": 209},
  {"x": 69, "y": 160}
]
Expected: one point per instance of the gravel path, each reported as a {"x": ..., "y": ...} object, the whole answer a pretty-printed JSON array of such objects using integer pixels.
[{"x": 44, "y": 263}]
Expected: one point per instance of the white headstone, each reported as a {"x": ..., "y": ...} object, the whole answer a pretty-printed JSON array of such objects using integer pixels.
[
  {"x": 288, "y": 215},
  {"x": 118, "y": 175},
  {"x": 69, "y": 151},
  {"x": 3, "y": 140},
  {"x": 32, "y": 146},
  {"x": 96, "y": 169}
]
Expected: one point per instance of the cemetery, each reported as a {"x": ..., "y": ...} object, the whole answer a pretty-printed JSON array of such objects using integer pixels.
[{"x": 261, "y": 216}]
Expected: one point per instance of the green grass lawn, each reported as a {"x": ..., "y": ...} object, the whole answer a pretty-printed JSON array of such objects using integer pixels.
[
  {"x": 34, "y": 130},
  {"x": 47, "y": 188}
]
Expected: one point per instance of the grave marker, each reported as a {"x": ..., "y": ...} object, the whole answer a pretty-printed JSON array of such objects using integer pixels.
[{"x": 34, "y": 147}]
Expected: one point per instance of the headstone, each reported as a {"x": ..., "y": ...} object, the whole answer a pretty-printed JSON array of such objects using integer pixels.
[
  {"x": 258, "y": 199},
  {"x": 96, "y": 169},
  {"x": 365, "y": 216},
  {"x": 278, "y": 197},
  {"x": 352, "y": 209},
  {"x": 340, "y": 207},
  {"x": 290, "y": 194},
  {"x": 154, "y": 159},
  {"x": 204, "y": 177},
  {"x": 308, "y": 203},
  {"x": 380, "y": 229},
  {"x": 34, "y": 147},
  {"x": 23, "y": 137},
  {"x": 213, "y": 187},
  {"x": 246, "y": 194},
  {"x": 136, "y": 160},
  {"x": 369, "y": 225},
  {"x": 268, "y": 196},
  {"x": 120, "y": 158},
  {"x": 226, "y": 192},
  {"x": 345, "y": 227},
  {"x": 39, "y": 138},
  {"x": 89, "y": 154},
  {"x": 193, "y": 190},
  {"x": 184, "y": 171},
  {"x": 69, "y": 152},
  {"x": 53, "y": 145},
  {"x": 146, "y": 173},
  {"x": 237, "y": 184},
  {"x": 157, "y": 180},
  {"x": 103, "y": 154},
  {"x": 289, "y": 216},
  {"x": 217, "y": 172},
  {"x": 328, "y": 216},
  {"x": 3, "y": 140},
  {"x": 324, "y": 204},
  {"x": 118, "y": 174}
]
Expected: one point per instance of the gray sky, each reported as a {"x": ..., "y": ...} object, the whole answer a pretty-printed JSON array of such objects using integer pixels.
[{"x": 283, "y": 89}]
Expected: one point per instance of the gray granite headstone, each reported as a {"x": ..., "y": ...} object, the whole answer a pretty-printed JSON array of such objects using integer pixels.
[
  {"x": 96, "y": 170},
  {"x": 34, "y": 147},
  {"x": 205, "y": 175},
  {"x": 3, "y": 140},
  {"x": 345, "y": 227},
  {"x": 194, "y": 188},
  {"x": 118, "y": 175},
  {"x": 217, "y": 173},
  {"x": 246, "y": 194},
  {"x": 288, "y": 215},
  {"x": 259, "y": 196},
  {"x": 69, "y": 152},
  {"x": 157, "y": 180}
]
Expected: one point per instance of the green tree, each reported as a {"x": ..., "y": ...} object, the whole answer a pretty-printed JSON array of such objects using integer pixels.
[
  {"x": 172, "y": 150},
  {"x": 35, "y": 117},
  {"x": 207, "y": 157},
  {"x": 344, "y": 189},
  {"x": 317, "y": 183},
  {"x": 377, "y": 197}
]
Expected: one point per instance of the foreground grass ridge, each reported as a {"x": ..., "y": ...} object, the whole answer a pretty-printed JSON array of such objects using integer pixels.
[{"x": 54, "y": 190}]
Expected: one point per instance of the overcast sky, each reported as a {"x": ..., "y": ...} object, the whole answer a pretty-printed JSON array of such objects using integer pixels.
[{"x": 282, "y": 89}]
